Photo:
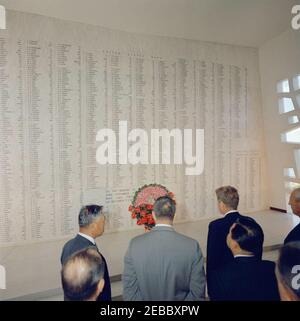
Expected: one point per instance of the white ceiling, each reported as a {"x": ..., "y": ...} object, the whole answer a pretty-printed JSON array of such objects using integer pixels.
[{"x": 240, "y": 22}]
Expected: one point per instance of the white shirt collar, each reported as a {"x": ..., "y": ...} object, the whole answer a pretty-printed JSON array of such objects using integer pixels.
[
  {"x": 87, "y": 237},
  {"x": 168, "y": 225},
  {"x": 243, "y": 255},
  {"x": 232, "y": 211}
]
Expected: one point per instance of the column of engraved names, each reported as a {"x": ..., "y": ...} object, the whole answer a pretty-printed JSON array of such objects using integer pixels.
[
  {"x": 208, "y": 75},
  {"x": 119, "y": 103},
  {"x": 199, "y": 101},
  {"x": 163, "y": 84},
  {"x": 68, "y": 59},
  {"x": 94, "y": 117},
  {"x": 118, "y": 96},
  {"x": 186, "y": 114},
  {"x": 143, "y": 115},
  {"x": 222, "y": 134},
  {"x": 40, "y": 138},
  {"x": 5, "y": 129},
  {"x": 12, "y": 217},
  {"x": 238, "y": 133}
]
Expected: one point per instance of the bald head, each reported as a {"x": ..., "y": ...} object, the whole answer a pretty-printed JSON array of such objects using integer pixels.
[
  {"x": 82, "y": 275},
  {"x": 295, "y": 201}
]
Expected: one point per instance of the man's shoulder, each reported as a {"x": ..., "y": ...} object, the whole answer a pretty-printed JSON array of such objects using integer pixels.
[
  {"x": 139, "y": 238},
  {"x": 219, "y": 222},
  {"x": 67, "y": 250},
  {"x": 268, "y": 264},
  {"x": 76, "y": 244},
  {"x": 69, "y": 243},
  {"x": 233, "y": 270},
  {"x": 174, "y": 235},
  {"x": 188, "y": 241},
  {"x": 227, "y": 219},
  {"x": 263, "y": 270},
  {"x": 296, "y": 231},
  {"x": 234, "y": 267},
  {"x": 216, "y": 222},
  {"x": 294, "y": 235}
]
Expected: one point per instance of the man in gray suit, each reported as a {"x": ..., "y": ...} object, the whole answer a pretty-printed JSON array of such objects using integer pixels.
[{"x": 163, "y": 265}]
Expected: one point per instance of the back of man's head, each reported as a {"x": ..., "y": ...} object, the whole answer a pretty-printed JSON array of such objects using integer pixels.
[
  {"x": 248, "y": 234},
  {"x": 229, "y": 196},
  {"x": 288, "y": 271},
  {"x": 82, "y": 275},
  {"x": 89, "y": 214},
  {"x": 164, "y": 208}
]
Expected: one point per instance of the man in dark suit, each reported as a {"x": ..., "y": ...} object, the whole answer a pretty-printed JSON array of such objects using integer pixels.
[
  {"x": 218, "y": 254},
  {"x": 294, "y": 235},
  {"x": 246, "y": 277},
  {"x": 91, "y": 225}
]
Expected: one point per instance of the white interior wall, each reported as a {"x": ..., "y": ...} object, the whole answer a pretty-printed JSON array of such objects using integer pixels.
[{"x": 279, "y": 59}]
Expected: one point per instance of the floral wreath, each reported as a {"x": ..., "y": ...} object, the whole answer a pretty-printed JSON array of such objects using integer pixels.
[{"x": 142, "y": 203}]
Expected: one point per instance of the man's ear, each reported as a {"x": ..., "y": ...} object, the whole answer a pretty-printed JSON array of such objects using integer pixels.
[
  {"x": 222, "y": 206},
  {"x": 100, "y": 286}
]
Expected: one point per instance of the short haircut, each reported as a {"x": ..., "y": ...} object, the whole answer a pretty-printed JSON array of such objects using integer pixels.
[
  {"x": 289, "y": 266},
  {"x": 249, "y": 235},
  {"x": 165, "y": 207},
  {"x": 88, "y": 214},
  {"x": 229, "y": 196},
  {"x": 81, "y": 274}
]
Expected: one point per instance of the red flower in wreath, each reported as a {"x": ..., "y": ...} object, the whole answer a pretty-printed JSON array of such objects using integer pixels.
[{"x": 143, "y": 201}]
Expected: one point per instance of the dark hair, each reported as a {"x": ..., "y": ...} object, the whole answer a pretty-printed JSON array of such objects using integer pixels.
[
  {"x": 81, "y": 274},
  {"x": 88, "y": 214},
  {"x": 229, "y": 196},
  {"x": 164, "y": 207},
  {"x": 289, "y": 259},
  {"x": 249, "y": 235}
]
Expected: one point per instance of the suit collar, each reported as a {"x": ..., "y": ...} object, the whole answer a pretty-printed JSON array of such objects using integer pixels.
[
  {"x": 163, "y": 225},
  {"x": 243, "y": 255},
  {"x": 231, "y": 214},
  {"x": 163, "y": 228},
  {"x": 86, "y": 238},
  {"x": 245, "y": 259}
]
